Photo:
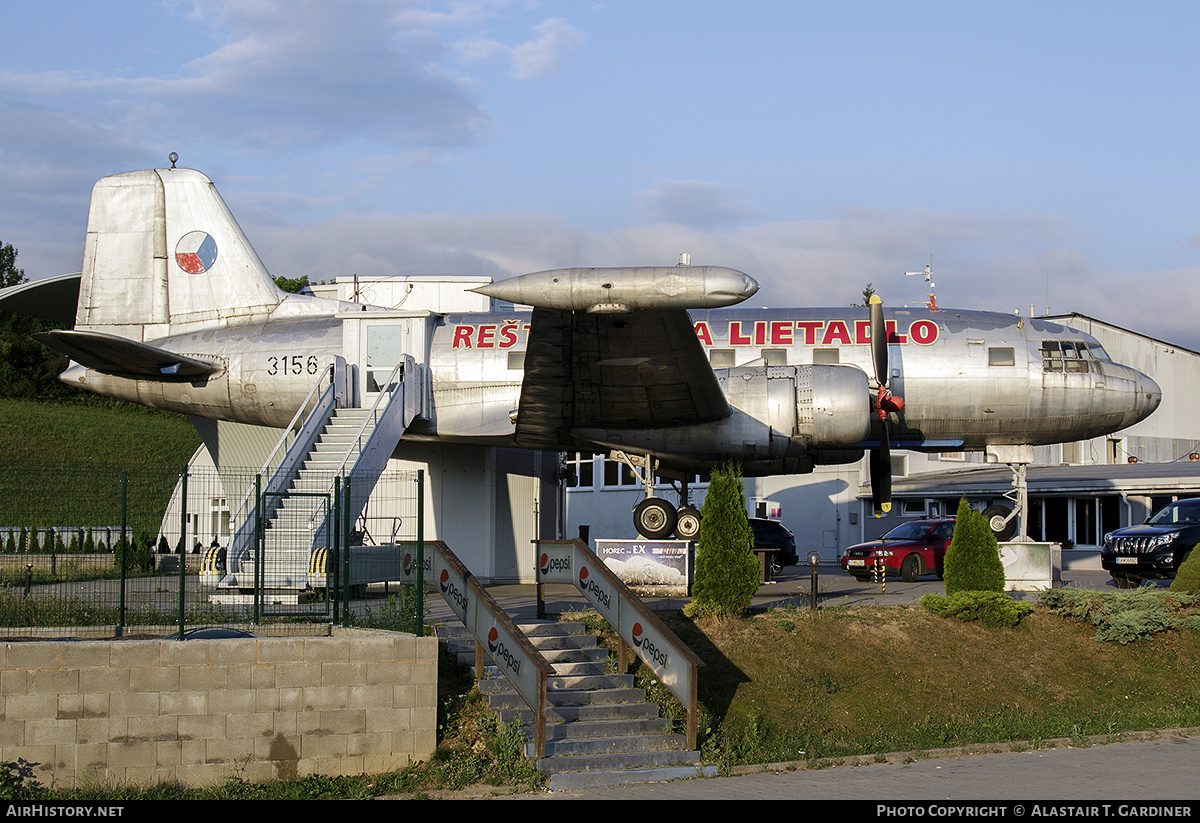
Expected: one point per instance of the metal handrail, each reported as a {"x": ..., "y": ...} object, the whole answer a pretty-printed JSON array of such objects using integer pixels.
[
  {"x": 689, "y": 697},
  {"x": 372, "y": 415},
  {"x": 294, "y": 426},
  {"x": 500, "y": 620}
]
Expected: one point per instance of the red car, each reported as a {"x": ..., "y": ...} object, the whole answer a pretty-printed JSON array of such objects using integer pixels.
[{"x": 909, "y": 550}]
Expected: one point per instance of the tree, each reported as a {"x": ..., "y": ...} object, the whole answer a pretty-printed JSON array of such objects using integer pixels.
[
  {"x": 1187, "y": 576},
  {"x": 292, "y": 284},
  {"x": 867, "y": 292},
  {"x": 972, "y": 562},
  {"x": 727, "y": 572},
  {"x": 10, "y": 275}
]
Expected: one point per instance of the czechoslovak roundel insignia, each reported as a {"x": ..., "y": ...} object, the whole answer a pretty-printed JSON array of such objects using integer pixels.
[{"x": 195, "y": 252}]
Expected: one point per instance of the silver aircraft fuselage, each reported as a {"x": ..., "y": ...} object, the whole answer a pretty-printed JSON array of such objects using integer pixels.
[{"x": 968, "y": 379}]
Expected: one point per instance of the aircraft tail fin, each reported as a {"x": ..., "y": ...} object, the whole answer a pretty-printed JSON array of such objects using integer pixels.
[{"x": 164, "y": 255}]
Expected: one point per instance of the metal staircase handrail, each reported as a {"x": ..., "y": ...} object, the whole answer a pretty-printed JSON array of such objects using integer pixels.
[
  {"x": 493, "y": 629},
  {"x": 298, "y": 418},
  {"x": 685, "y": 687}
]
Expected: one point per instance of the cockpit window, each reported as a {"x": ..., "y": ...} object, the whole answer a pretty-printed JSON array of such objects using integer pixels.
[
  {"x": 1064, "y": 356},
  {"x": 1098, "y": 351}
]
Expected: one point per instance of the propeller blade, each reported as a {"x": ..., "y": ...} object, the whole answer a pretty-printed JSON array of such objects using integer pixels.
[
  {"x": 879, "y": 343},
  {"x": 881, "y": 474}
]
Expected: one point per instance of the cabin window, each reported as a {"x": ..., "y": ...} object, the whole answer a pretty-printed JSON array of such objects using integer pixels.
[
  {"x": 721, "y": 358},
  {"x": 1001, "y": 356},
  {"x": 516, "y": 361},
  {"x": 826, "y": 357},
  {"x": 775, "y": 357}
]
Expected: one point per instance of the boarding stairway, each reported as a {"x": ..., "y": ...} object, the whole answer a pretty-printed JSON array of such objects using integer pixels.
[
  {"x": 600, "y": 729},
  {"x": 318, "y": 478}
]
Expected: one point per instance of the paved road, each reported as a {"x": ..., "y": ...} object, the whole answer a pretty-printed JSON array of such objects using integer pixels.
[{"x": 1157, "y": 771}]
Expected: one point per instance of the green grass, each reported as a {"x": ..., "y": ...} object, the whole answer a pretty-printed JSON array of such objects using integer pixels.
[
  {"x": 114, "y": 434},
  {"x": 61, "y": 464},
  {"x": 796, "y": 685}
]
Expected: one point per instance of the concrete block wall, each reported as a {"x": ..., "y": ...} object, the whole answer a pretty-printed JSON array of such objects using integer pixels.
[{"x": 137, "y": 712}]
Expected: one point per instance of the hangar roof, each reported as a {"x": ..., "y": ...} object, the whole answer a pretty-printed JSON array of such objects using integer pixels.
[{"x": 993, "y": 479}]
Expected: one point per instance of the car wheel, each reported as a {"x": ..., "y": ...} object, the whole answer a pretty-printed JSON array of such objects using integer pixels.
[
  {"x": 910, "y": 568},
  {"x": 687, "y": 525},
  {"x": 994, "y": 515},
  {"x": 1124, "y": 582},
  {"x": 654, "y": 518}
]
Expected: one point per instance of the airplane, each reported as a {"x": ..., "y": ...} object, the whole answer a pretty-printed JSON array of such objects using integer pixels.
[{"x": 175, "y": 310}]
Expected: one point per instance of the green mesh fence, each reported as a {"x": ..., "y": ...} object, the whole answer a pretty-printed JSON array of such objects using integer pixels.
[{"x": 120, "y": 548}]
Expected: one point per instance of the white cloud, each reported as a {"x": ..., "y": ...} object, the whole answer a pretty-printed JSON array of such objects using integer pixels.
[{"x": 544, "y": 54}]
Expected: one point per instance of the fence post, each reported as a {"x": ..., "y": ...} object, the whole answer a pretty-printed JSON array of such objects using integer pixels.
[
  {"x": 183, "y": 497},
  {"x": 120, "y": 629},
  {"x": 257, "y": 550},
  {"x": 420, "y": 552},
  {"x": 345, "y": 576},
  {"x": 334, "y": 538}
]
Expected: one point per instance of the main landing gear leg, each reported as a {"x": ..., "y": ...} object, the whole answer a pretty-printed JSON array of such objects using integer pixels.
[{"x": 654, "y": 518}]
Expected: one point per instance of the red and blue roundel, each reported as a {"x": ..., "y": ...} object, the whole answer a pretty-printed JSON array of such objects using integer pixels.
[{"x": 195, "y": 252}]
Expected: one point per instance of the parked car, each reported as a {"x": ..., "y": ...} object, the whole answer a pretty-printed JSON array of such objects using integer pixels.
[
  {"x": 909, "y": 550},
  {"x": 772, "y": 534},
  {"x": 1156, "y": 548}
]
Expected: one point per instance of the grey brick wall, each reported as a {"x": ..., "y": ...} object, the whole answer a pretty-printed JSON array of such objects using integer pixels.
[{"x": 143, "y": 711}]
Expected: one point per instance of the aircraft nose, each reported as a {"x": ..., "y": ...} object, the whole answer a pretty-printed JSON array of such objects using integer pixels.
[{"x": 1149, "y": 395}]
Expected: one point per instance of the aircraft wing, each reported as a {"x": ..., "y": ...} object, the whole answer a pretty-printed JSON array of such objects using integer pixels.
[
  {"x": 641, "y": 369},
  {"x": 109, "y": 354}
]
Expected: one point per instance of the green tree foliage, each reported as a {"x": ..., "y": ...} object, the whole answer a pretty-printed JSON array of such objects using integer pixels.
[
  {"x": 1187, "y": 578},
  {"x": 727, "y": 572},
  {"x": 292, "y": 284},
  {"x": 973, "y": 559}
]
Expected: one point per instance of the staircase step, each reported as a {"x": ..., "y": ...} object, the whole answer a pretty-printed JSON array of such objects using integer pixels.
[{"x": 617, "y": 762}]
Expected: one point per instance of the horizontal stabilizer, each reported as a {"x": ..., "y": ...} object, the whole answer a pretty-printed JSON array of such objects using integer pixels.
[{"x": 109, "y": 354}]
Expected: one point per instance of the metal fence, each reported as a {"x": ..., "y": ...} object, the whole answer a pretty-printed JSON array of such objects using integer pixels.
[{"x": 176, "y": 548}]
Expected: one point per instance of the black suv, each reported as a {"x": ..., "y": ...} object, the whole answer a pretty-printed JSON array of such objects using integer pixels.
[
  {"x": 1155, "y": 549},
  {"x": 771, "y": 534}
]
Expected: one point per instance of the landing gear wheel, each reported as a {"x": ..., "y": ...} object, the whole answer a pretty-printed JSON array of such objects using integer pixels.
[
  {"x": 654, "y": 518},
  {"x": 1124, "y": 582},
  {"x": 994, "y": 515},
  {"x": 910, "y": 568},
  {"x": 687, "y": 526}
]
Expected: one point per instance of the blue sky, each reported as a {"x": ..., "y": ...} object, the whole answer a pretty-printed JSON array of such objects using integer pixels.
[{"x": 1040, "y": 152}]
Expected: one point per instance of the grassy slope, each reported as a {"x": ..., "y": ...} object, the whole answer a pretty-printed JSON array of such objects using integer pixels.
[
  {"x": 60, "y": 463},
  {"x": 794, "y": 685}
]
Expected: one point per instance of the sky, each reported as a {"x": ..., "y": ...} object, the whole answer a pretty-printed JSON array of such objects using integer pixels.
[{"x": 1039, "y": 154}]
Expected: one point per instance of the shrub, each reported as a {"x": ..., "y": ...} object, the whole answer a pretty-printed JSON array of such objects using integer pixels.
[
  {"x": 1187, "y": 578},
  {"x": 990, "y": 608},
  {"x": 1126, "y": 617},
  {"x": 727, "y": 572},
  {"x": 973, "y": 560}
]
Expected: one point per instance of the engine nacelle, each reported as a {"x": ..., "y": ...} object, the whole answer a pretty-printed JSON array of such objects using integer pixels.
[{"x": 822, "y": 406}]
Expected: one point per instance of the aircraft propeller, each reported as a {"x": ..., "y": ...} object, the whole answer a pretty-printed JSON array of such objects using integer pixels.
[{"x": 880, "y": 458}]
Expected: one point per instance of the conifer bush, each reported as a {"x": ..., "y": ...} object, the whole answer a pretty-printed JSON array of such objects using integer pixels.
[
  {"x": 727, "y": 572},
  {"x": 972, "y": 562},
  {"x": 1187, "y": 576}
]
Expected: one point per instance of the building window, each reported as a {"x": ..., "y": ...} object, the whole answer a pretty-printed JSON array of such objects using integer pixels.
[
  {"x": 618, "y": 475},
  {"x": 582, "y": 466}
]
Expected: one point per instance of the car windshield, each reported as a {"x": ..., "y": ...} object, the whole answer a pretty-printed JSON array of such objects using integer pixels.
[
  {"x": 909, "y": 531},
  {"x": 1183, "y": 511}
]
